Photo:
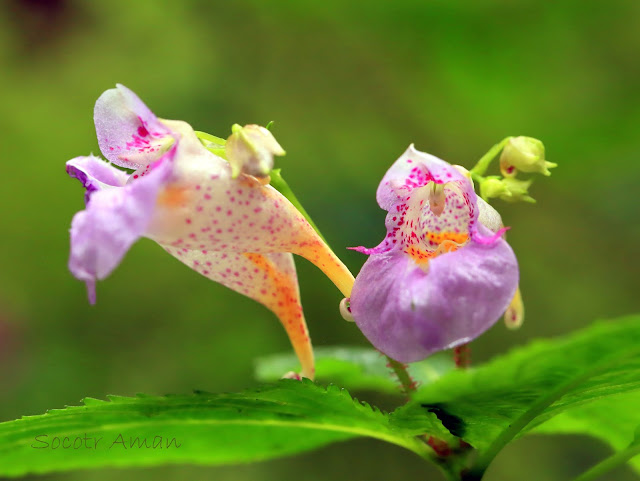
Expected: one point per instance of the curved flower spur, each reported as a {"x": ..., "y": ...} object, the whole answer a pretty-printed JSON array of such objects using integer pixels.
[
  {"x": 234, "y": 229},
  {"x": 443, "y": 274}
]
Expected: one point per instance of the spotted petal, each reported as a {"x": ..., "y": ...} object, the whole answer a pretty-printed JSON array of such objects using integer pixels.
[
  {"x": 129, "y": 134},
  {"x": 203, "y": 207},
  {"x": 408, "y": 313},
  {"x": 432, "y": 208},
  {"x": 415, "y": 169},
  {"x": 269, "y": 279}
]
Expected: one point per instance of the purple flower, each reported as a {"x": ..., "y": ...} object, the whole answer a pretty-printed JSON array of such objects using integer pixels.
[
  {"x": 443, "y": 275},
  {"x": 236, "y": 231}
]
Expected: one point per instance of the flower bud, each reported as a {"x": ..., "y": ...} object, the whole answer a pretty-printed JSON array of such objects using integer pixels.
[
  {"x": 250, "y": 150},
  {"x": 509, "y": 189},
  {"x": 517, "y": 190},
  {"x": 493, "y": 187},
  {"x": 525, "y": 154}
]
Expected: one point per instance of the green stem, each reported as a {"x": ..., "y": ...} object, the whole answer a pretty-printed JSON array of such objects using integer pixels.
[
  {"x": 609, "y": 463},
  {"x": 278, "y": 183},
  {"x": 483, "y": 164},
  {"x": 530, "y": 414},
  {"x": 213, "y": 144},
  {"x": 478, "y": 179},
  {"x": 210, "y": 138}
]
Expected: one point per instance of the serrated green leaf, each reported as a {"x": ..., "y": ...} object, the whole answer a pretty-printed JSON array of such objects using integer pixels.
[
  {"x": 355, "y": 368},
  {"x": 490, "y": 405},
  {"x": 277, "y": 420}
]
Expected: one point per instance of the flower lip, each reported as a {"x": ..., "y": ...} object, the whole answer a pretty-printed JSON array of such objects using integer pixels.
[
  {"x": 115, "y": 217},
  {"x": 409, "y": 314}
]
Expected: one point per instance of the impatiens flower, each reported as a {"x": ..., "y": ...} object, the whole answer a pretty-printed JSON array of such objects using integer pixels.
[
  {"x": 443, "y": 274},
  {"x": 235, "y": 231}
]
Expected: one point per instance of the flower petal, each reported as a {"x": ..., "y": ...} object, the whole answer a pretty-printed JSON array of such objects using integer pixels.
[
  {"x": 129, "y": 134},
  {"x": 432, "y": 208},
  {"x": 95, "y": 174},
  {"x": 269, "y": 279},
  {"x": 115, "y": 217},
  {"x": 414, "y": 169},
  {"x": 408, "y": 313},
  {"x": 488, "y": 216},
  {"x": 203, "y": 207}
]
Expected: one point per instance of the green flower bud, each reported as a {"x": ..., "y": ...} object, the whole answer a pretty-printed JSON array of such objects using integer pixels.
[
  {"x": 525, "y": 154},
  {"x": 517, "y": 190},
  {"x": 509, "y": 189},
  {"x": 491, "y": 187},
  {"x": 250, "y": 150}
]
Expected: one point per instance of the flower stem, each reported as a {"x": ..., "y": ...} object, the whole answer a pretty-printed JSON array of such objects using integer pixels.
[
  {"x": 483, "y": 164},
  {"x": 407, "y": 384},
  {"x": 278, "y": 183},
  {"x": 462, "y": 356},
  {"x": 210, "y": 138},
  {"x": 212, "y": 143},
  {"x": 609, "y": 463},
  {"x": 533, "y": 411}
]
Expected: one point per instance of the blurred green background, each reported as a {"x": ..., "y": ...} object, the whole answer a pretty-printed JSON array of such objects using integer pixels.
[{"x": 349, "y": 86}]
